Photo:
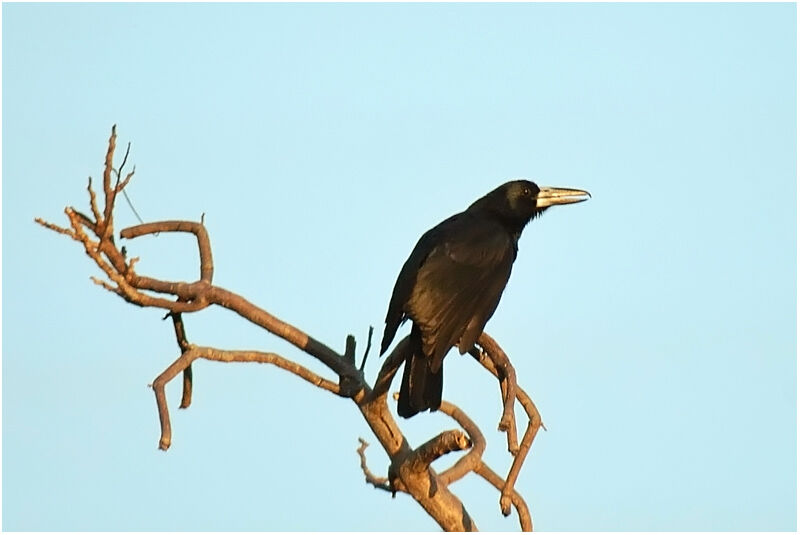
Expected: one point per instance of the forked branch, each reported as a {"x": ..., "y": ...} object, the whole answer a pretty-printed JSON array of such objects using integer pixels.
[{"x": 409, "y": 469}]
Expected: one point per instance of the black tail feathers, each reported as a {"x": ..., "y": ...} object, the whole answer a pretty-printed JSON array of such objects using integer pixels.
[{"x": 421, "y": 388}]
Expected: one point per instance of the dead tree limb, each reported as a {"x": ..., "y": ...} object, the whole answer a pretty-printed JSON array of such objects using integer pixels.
[
  {"x": 472, "y": 462},
  {"x": 183, "y": 345},
  {"x": 489, "y": 358},
  {"x": 508, "y": 388},
  {"x": 469, "y": 462},
  {"x": 442, "y": 444},
  {"x": 377, "y": 482},
  {"x": 410, "y": 468}
]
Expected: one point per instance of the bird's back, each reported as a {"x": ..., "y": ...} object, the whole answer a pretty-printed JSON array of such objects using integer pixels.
[{"x": 452, "y": 282}]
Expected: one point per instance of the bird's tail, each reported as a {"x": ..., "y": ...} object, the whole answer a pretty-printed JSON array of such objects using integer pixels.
[{"x": 421, "y": 388}]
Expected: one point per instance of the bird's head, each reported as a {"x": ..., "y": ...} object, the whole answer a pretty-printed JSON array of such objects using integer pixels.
[{"x": 519, "y": 201}]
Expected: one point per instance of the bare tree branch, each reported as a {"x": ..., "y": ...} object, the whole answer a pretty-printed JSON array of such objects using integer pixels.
[
  {"x": 203, "y": 243},
  {"x": 377, "y": 482},
  {"x": 508, "y": 386},
  {"x": 124, "y": 161},
  {"x": 471, "y": 460},
  {"x": 366, "y": 351},
  {"x": 105, "y": 227},
  {"x": 535, "y": 421},
  {"x": 183, "y": 345},
  {"x": 186, "y": 398},
  {"x": 410, "y": 469},
  {"x": 522, "y": 508},
  {"x": 350, "y": 349},
  {"x": 56, "y": 228},
  {"x": 104, "y": 284},
  {"x": 93, "y": 201},
  {"x": 442, "y": 444},
  {"x": 390, "y": 367},
  {"x": 210, "y": 353}
]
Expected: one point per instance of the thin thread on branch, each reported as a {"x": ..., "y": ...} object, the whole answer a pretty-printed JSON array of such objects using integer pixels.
[{"x": 128, "y": 200}]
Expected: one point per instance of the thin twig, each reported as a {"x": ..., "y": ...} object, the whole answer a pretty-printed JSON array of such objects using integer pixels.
[
  {"x": 56, "y": 228},
  {"x": 106, "y": 226},
  {"x": 381, "y": 483},
  {"x": 210, "y": 353},
  {"x": 85, "y": 220},
  {"x": 122, "y": 165},
  {"x": 93, "y": 203},
  {"x": 366, "y": 351},
  {"x": 104, "y": 284},
  {"x": 128, "y": 177}
]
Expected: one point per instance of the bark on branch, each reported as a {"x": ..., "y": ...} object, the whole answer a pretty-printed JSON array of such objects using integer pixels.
[
  {"x": 442, "y": 444},
  {"x": 409, "y": 469},
  {"x": 489, "y": 358},
  {"x": 377, "y": 482}
]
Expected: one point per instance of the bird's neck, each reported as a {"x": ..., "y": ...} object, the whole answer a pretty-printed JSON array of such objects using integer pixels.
[
  {"x": 497, "y": 210},
  {"x": 513, "y": 225}
]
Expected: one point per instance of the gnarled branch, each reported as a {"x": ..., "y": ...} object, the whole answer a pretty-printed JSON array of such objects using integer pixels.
[
  {"x": 489, "y": 358},
  {"x": 469, "y": 462},
  {"x": 442, "y": 444},
  {"x": 377, "y": 482},
  {"x": 410, "y": 469}
]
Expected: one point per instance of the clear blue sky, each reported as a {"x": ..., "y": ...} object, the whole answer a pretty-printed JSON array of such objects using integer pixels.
[{"x": 655, "y": 325}]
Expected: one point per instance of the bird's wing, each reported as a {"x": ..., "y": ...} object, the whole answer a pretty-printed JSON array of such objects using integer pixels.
[
  {"x": 401, "y": 293},
  {"x": 458, "y": 286}
]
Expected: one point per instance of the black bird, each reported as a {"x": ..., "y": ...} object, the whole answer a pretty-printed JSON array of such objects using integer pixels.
[{"x": 452, "y": 282}]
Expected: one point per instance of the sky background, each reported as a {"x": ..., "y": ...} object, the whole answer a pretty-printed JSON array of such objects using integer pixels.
[{"x": 654, "y": 326}]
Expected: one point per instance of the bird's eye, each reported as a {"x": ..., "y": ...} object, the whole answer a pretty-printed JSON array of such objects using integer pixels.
[{"x": 526, "y": 192}]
